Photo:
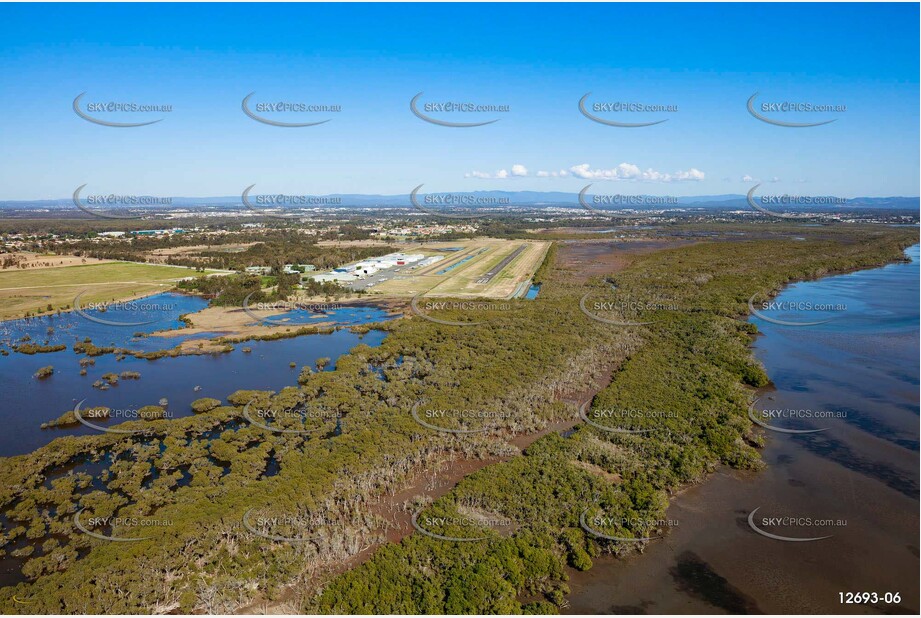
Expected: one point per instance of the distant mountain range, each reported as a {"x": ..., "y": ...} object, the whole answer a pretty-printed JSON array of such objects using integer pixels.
[{"x": 515, "y": 198}]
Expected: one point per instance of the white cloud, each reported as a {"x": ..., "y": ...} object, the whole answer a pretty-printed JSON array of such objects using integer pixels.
[
  {"x": 517, "y": 170},
  {"x": 624, "y": 171},
  {"x": 692, "y": 174},
  {"x": 629, "y": 171},
  {"x": 750, "y": 178}
]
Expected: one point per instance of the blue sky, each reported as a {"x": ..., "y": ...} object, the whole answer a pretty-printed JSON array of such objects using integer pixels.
[{"x": 538, "y": 59}]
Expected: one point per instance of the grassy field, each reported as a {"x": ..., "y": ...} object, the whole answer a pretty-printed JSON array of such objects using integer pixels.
[{"x": 33, "y": 290}]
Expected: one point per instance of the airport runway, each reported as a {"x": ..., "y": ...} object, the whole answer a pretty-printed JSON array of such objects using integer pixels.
[{"x": 495, "y": 270}]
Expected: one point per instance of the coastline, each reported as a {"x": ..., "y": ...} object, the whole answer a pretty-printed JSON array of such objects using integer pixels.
[
  {"x": 232, "y": 324},
  {"x": 867, "y": 261},
  {"x": 663, "y": 262},
  {"x": 699, "y": 560}
]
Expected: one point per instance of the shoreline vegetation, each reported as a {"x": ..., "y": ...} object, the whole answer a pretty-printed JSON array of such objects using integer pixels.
[
  {"x": 202, "y": 473},
  {"x": 232, "y": 322},
  {"x": 391, "y": 581}
]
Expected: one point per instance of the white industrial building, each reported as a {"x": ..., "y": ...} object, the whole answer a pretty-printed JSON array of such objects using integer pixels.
[
  {"x": 428, "y": 261},
  {"x": 365, "y": 268}
]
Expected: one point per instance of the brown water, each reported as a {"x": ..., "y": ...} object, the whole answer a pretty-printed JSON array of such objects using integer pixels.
[{"x": 862, "y": 473}]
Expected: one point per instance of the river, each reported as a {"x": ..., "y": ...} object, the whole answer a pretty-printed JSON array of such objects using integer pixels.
[
  {"x": 27, "y": 402},
  {"x": 853, "y": 383}
]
